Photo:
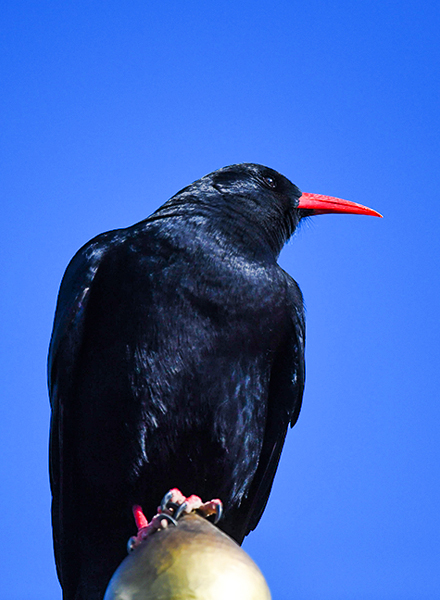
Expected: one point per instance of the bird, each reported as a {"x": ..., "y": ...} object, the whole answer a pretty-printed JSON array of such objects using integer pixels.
[{"x": 176, "y": 360}]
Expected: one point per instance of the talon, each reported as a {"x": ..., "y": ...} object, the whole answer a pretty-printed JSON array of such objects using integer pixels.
[
  {"x": 165, "y": 500},
  {"x": 165, "y": 517},
  {"x": 182, "y": 508},
  {"x": 218, "y": 511},
  {"x": 131, "y": 544},
  {"x": 172, "y": 506},
  {"x": 172, "y": 497}
]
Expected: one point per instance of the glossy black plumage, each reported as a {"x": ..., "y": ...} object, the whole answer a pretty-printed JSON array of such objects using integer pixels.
[{"x": 176, "y": 360}]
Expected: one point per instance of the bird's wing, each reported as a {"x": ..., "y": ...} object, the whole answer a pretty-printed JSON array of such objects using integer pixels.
[
  {"x": 284, "y": 404},
  {"x": 63, "y": 351},
  {"x": 72, "y": 301}
]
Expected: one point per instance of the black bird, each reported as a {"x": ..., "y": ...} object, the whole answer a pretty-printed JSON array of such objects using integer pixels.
[{"x": 176, "y": 360}]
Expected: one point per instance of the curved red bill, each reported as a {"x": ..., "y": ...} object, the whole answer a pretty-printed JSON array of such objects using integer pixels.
[{"x": 320, "y": 205}]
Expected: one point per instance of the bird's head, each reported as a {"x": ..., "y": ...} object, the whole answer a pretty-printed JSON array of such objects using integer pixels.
[
  {"x": 274, "y": 202},
  {"x": 262, "y": 201},
  {"x": 267, "y": 200}
]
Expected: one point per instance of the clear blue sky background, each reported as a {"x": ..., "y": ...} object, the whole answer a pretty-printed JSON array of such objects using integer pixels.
[{"x": 107, "y": 109}]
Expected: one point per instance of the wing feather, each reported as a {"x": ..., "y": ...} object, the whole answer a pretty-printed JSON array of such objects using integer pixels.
[
  {"x": 284, "y": 405},
  {"x": 64, "y": 347}
]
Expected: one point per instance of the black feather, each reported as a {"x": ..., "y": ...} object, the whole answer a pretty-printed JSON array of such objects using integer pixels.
[{"x": 176, "y": 360}]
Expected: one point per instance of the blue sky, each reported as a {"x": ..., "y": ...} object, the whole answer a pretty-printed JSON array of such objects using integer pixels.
[{"x": 106, "y": 110}]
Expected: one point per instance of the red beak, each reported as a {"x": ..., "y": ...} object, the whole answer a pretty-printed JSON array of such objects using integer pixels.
[{"x": 320, "y": 205}]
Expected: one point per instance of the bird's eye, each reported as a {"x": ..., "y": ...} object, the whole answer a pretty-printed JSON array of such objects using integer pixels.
[{"x": 270, "y": 181}]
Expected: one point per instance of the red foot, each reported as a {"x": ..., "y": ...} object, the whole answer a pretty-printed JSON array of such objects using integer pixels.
[
  {"x": 173, "y": 505},
  {"x": 145, "y": 528},
  {"x": 188, "y": 505}
]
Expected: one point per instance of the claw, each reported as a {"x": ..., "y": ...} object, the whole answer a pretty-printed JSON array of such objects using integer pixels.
[
  {"x": 214, "y": 507},
  {"x": 218, "y": 512},
  {"x": 169, "y": 518},
  {"x": 165, "y": 500},
  {"x": 180, "y": 510},
  {"x": 131, "y": 544}
]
